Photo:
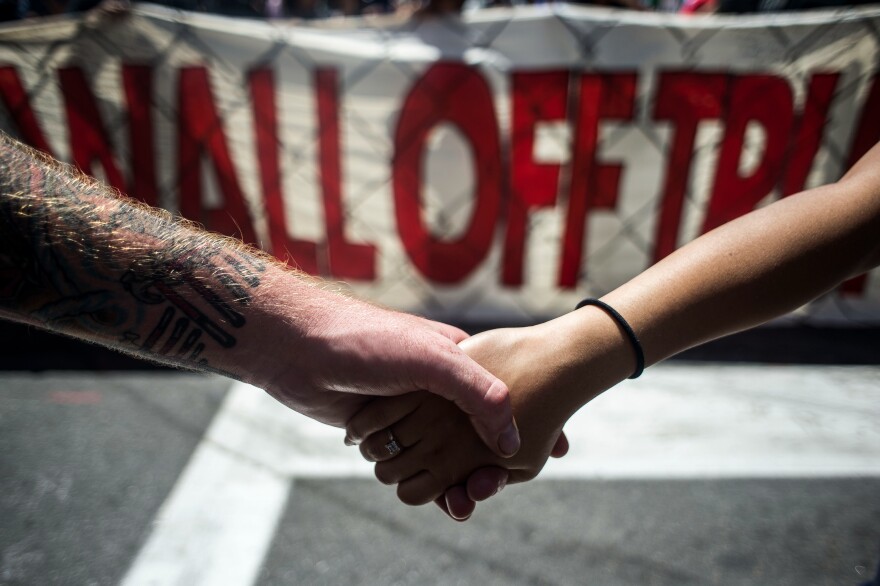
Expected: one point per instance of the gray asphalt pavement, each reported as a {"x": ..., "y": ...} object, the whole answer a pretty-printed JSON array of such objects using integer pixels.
[{"x": 87, "y": 461}]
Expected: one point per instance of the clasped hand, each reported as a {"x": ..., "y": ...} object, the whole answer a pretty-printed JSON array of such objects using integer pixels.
[{"x": 438, "y": 456}]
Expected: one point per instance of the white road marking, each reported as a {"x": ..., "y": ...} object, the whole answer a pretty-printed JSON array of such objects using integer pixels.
[
  {"x": 697, "y": 421},
  {"x": 679, "y": 420},
  {"x": 219, "y": 520}
]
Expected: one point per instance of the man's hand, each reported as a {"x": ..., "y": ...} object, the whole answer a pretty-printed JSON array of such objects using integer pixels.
[
  {"x": 81, "y": 260},
  {"x": 440, "y": 451},
  {"x": 440, "y": 448},
  {"x": 353, "y": 351},
  {"x": 552, "y": 369}
]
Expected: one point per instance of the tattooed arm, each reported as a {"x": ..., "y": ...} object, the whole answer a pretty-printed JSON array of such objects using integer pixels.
[{"x": 78, "y": 259}]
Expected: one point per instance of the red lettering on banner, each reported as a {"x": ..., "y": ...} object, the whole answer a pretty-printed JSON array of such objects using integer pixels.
[
  {"x": 767, "y": 100},
  {"x": 17, "y": 103},
  {"x": 867, "y": 135},
  {"x": 88, "y": 137},
  {"x": 593, "y": 185},
  {"x": 346, "y": 259},
  {"x": 301, "y": 253},
  {"x": 868, "y": 128},
  {"x": 685, "y": 99},
  {"x": 808, "y": 133},
  {"x": 458, "y": 94},
  {"x": 201, "y": 132},
  {"x": 137, "y": 81},
  {"x": 536, "y": 97}
]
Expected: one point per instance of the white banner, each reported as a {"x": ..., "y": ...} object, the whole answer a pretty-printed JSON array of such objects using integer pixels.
[{"x": 495, "y": 168}]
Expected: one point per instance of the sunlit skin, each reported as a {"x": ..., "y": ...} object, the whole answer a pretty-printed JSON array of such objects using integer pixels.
[
  {"x": 750, "y": 270},
  {"x": 79, "y": 259}
]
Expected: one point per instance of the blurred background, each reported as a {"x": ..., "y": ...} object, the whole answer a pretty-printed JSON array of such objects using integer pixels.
[{"x": 486, "y": 164}]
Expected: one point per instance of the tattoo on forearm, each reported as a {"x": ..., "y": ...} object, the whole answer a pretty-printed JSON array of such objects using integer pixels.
[
  {"x": 250, "y": 278},
  {"x": 180, "y": 328},
  {"x": 77, "y": 258},
  {"x": 190, "y": 341},
  {"x": 159, "y": 330}
]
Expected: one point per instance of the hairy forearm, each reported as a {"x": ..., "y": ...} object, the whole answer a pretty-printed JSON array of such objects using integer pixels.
[{"x": 81, "y": 260}]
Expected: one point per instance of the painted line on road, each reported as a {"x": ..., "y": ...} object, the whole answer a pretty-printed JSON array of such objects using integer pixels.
[
  {"x": 220, "y": 518},
  {"x": 677, "y": 421},
  {"x": 729, "y": 421}
]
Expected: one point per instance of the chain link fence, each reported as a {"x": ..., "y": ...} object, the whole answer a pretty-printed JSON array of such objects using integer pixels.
[{"x": 491, "y": 169}]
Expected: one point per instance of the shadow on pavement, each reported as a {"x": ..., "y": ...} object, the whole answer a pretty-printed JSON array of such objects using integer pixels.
[{"x": 29, "y": 349}]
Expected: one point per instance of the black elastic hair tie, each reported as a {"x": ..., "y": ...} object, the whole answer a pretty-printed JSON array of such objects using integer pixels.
[{"x": 637, "y": 346}]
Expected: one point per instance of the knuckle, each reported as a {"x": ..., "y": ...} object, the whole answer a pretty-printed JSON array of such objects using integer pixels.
[
  {"x": 373, "y": 418},
  {"x": 353, "y": 432},
  {"x": 496, "y": 395},
  {"x": 362, "y": 428},
  {"x": 368, "y": 453}
]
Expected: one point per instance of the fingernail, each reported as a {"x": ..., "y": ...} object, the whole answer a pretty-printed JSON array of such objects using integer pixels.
[
  {"x": 509, "y": 443},
  {"x": 348, "y": 441},
  {"x": 501, "y": 485},
  {"x": 459, "y": 518}
]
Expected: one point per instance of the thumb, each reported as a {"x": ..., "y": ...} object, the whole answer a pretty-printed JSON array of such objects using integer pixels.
[{"x": 478, "y": 393}]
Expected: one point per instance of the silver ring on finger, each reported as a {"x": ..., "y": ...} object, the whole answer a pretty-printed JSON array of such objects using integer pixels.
[{"x": 392, "y": 445}]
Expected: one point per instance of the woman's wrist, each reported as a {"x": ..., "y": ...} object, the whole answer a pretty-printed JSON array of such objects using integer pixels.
[{"x": 592, "y": 352}]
